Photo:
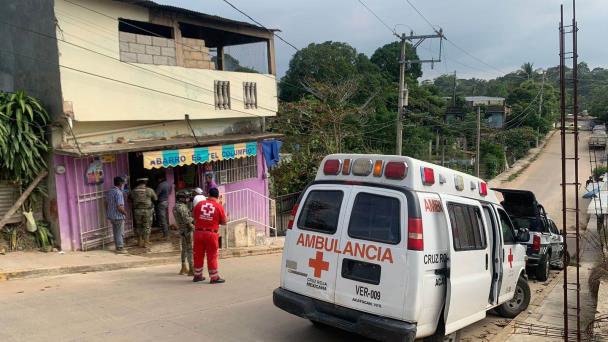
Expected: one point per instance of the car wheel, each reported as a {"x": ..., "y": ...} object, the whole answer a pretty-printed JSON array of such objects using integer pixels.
[
  {"x": 520, "y": 301},
  {"x": 542, "y": 270}
]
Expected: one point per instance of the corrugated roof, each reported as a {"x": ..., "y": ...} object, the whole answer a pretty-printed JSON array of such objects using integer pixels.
[
  {"x": 161, "y": 144},
  {"x": 194, "y": 14},
  {"x": 483, "y": 98}
]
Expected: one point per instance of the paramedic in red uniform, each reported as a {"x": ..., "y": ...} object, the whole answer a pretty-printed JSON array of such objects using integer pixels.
[{"x": 208, "y": 216}]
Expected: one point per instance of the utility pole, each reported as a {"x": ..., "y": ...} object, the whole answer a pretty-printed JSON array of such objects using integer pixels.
[
  {"x": 454, "y": 91},
  {"x": 540, "y": 105},
  {"x": 477, "y": 154},
  {"x": 403, "y": 97},
  {"x": 403, "y": 91}
]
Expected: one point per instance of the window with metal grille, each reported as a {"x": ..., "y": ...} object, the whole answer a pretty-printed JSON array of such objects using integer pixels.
[
  {"x": 250, "y": 95},
  {"x": 222, "y": 94},
  {"x": 235, "y": 170}
]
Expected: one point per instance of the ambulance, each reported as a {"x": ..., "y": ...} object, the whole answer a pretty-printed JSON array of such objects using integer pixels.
[{"x": 397, "y": 249}]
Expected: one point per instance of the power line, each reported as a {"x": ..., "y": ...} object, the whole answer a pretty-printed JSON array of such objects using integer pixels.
[
  {"x": 14, "y": 53},
  {"x": 258, "y": 23},
  {"x": 393, "y": 31},
  {"x": 422, "y": 15},
  {"x": 120, "y": 61}
]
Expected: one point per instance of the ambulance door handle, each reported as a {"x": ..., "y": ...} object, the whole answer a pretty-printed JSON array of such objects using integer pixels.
[{"x": 486, "y": 261}]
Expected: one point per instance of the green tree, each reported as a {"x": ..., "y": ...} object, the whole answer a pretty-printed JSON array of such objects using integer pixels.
[
  {"x": 527, "y": 70},
  {"x": 387, "y": 59}
]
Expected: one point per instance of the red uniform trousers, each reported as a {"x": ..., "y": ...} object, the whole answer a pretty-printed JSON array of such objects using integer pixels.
[{"x": 206, "y": 243}]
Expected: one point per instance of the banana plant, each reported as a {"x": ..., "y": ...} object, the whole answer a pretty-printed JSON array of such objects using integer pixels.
[{"x": 23, "y": 142}]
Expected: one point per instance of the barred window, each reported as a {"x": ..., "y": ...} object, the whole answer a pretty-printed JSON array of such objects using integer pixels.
[{"x": 235, "y": 170}]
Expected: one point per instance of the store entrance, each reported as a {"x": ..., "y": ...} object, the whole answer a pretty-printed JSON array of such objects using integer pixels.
[{"x": 137, "y": 170}]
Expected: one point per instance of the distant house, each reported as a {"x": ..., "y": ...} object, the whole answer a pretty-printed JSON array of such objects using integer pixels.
[{"x": 495, "y": 112}]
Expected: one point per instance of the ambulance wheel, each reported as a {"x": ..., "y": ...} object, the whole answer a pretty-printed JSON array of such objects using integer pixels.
[
  {"x": 520, "y": 301},
  {"x": 542, "y": 270}
]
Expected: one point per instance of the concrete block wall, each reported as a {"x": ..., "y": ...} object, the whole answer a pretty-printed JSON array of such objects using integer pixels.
[
  {"x": 137, "y": 48},
  {"x": 196, "y": 55}
]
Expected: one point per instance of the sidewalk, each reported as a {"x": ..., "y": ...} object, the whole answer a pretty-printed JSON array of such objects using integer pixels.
[
  {"x": 548, "y": 313},
  {"x": 37, "y": 264}
]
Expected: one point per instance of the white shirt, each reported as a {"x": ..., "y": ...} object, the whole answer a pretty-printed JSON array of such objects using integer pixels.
[{"x": 196, "y": 199}]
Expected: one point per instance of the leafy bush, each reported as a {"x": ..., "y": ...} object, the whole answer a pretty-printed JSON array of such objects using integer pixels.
[{"x": 599, "y": 172}]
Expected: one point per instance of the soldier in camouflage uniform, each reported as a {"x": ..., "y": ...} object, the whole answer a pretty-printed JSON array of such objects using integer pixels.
[
  {"x": 143, "y": 211},
  {"x": 183, "y": 218}
]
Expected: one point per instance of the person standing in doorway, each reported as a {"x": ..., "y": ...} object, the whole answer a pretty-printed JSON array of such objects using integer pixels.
[
  {"x": 163, "y": 190},
  {"x": 143, "y": 211},
  {"x": 117, "y": 213},
  {"x": 208, "y": 216},
  {"x": 183, "y": 217},
  {"x": 209, "y": 183}
]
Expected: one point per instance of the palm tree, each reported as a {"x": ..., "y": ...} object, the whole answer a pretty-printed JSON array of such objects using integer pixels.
[{"x": 527, "y": 69}]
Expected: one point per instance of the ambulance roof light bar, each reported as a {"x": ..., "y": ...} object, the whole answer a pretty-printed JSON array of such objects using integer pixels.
[
  {"x": 395, "y": 170},
  {"x": 428, "y": 175},
  {"x": 332, "y": 167}
]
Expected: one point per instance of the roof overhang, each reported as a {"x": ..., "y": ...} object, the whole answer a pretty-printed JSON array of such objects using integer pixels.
[{"x": 160, "y": 144}]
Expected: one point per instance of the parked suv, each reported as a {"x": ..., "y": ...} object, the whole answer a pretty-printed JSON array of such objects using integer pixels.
[{"x": 545, "y": 248}]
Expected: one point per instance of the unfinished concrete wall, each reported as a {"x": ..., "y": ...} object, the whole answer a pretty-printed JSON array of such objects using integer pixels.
[{"x": 137, "y": 48}]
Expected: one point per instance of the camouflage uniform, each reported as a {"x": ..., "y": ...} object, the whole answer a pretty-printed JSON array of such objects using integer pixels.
[
  {"x": 143, "y": 211},
  {"x": 183, "y": 218}
]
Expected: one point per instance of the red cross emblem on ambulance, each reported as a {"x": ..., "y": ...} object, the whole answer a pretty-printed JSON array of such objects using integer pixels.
[
  {"x": 510, "y": 258},
  {"x": 318, "y": 264}
]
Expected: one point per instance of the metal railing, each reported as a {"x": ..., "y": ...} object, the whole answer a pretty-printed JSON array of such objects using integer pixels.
[{"x": 252, "y": 207}]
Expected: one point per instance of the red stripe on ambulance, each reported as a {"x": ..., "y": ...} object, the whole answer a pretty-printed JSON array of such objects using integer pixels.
[{"x": 362, "y": 250}]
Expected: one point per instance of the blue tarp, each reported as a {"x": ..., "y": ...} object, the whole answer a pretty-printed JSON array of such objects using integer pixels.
[{"x": 271, "y": 149}]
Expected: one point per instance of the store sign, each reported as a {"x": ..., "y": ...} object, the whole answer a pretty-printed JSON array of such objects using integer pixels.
[{"x": 198, "y": 155}]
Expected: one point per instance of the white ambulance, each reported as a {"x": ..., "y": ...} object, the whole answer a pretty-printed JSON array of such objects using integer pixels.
[{"x": 395, "y": 248}]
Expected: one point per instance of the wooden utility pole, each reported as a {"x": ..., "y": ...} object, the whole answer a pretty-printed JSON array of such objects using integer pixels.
[
  {"x": 478, "y": 154},
  {"x": 403, "y": 91},
  {"x": 403, "y": 97}
]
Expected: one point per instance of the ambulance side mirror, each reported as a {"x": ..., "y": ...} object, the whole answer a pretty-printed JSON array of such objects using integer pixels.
[{"x": 523, "y": 235}]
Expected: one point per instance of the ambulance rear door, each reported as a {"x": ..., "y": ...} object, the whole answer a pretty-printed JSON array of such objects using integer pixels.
[
  {"x": 310, "y": 256},
  {"x": 469, "y": 275},
  {"x": 372, "y": 267}
]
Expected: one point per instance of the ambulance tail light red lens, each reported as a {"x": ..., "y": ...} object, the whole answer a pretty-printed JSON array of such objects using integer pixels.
[
  {"x": 395, "y": 170},
  {"x": 331, "y": 167},
  {"x": 415, "y": 242},
  {"x": 294, "y": 211},
  {"x": 428, "y": 175},
  {"x": 536, "y": 244},
  {"x": 483, "y": 189}
]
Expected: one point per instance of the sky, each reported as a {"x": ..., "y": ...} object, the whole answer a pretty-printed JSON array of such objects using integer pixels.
[{"x": 501, "y": 34}]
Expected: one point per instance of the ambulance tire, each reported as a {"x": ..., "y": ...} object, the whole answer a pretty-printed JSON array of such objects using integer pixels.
[
  {"x": 542, "y": 270},
  {"x": 520, "y": 301}
]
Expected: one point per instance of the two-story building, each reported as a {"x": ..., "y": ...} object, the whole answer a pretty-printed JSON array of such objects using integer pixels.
[
  {"x": 495, "y": 109},
  {"x": 139, "y": 89}
]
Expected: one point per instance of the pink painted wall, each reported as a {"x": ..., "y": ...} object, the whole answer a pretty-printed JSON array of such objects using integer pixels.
[{"x": 88, "y": 214}]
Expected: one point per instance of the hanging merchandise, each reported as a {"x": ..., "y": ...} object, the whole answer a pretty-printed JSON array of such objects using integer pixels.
[{"x": 94, "y": 174}]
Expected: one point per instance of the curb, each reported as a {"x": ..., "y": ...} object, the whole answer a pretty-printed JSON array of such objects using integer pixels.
[{"x": 153, "y": 261}]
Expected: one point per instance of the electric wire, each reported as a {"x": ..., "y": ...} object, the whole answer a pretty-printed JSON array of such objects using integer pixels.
[{"x": 393, "y": 31}]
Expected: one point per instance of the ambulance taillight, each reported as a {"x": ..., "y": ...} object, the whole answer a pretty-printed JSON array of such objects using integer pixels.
[
  {"x": 331, "y": 167},
  {"x": 395, "y": 170},
  {"x": 415, "y": 241},
  {"x": 294, "y": 211}
]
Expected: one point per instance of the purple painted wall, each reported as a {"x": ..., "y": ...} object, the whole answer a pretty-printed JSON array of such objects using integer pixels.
[{"x": 81, "y": 206}]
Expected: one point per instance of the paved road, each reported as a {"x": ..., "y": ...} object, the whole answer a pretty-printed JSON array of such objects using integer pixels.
[{"x": 155, "y": 304}]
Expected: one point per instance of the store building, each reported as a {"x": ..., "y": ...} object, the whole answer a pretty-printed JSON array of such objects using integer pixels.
[{"x": 149, "y": 90}]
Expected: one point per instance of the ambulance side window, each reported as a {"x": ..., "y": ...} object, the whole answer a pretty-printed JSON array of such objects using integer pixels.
[
  {"x": 321, "y": 211},
  {"x": 507, "y": 228},
  {"x": 467, "y": 227},
  {"x": 375, "y": 218}
]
